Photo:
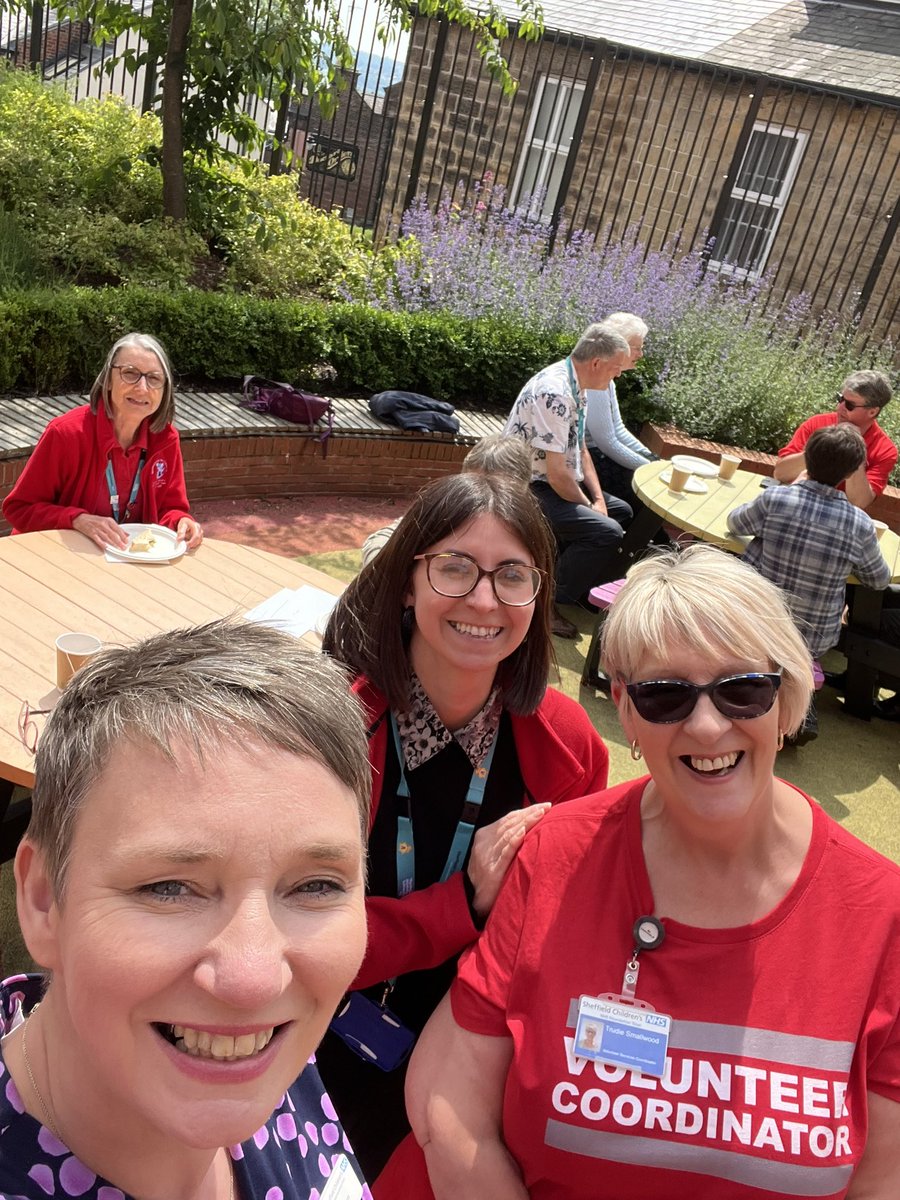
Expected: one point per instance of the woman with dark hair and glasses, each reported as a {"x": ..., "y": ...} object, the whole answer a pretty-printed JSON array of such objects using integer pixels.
[
  {"x": 447, "y": 634},
  {"x": 690, "y": 984},
  {"x": 113, "y": 461}
]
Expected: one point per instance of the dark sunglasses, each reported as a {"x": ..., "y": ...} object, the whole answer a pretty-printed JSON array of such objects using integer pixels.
[
  {"x": 848, "y": 404},
  {"x": 738, "y": 697}
]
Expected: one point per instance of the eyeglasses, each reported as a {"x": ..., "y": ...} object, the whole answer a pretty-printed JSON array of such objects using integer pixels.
[
  {"x": 453, "y": 573},
  {"x": 28, "y": 729},
  {"x": 738, "y": 697},
  {"x": 155, "y": 380},
  {"x": 848, "y": 404}
]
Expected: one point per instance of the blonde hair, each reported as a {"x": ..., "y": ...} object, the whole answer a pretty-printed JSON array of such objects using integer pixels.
[{"x": 714, "y": 604}]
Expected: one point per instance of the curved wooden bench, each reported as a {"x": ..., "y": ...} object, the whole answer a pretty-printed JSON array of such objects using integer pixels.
[{"x": 230, "y": 452}]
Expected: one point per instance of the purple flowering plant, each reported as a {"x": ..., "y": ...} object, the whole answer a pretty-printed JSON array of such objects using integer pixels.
[{"x": 726, "y": 359}]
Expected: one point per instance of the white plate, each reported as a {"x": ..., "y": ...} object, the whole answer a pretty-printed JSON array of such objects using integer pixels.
[
  {"x": 696, "y": 466},
  {"x": 166, "y": 548},
  {"x": 696, "y": 486}
]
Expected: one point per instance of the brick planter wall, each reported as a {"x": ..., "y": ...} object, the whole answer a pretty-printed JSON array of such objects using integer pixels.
[
  {"x": 272, "y": 465},
  {"x": 666, "y": 440}
]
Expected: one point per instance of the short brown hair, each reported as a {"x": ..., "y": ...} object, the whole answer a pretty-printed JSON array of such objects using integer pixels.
[
  {"x": 366, "y": 630},
  {"x": 223, "y": 680},
  {"x": 833, "y": 453}
]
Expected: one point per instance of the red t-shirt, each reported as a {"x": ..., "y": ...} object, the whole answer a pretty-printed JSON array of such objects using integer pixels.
[
  {"x": 778, "y": 1028},
  {"x": 881, "y": 453}
]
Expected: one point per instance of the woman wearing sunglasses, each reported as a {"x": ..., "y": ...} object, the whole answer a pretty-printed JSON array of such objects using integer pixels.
[
  {"x": 113, "y": 461},
  {"x": 447, "y": 633},
  {"x": 690, "y": 984}
]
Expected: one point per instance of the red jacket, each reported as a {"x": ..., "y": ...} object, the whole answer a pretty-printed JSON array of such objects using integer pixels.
[
  {"x": 561, "y": 756},
  {"x": 66, "y": 475}
]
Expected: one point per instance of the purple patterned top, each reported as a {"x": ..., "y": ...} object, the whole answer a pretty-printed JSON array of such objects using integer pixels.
[{"x": 290, "y": 1158}]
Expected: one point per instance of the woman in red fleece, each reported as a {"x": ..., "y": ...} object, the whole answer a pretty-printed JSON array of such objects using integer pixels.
[
  {"x": 116, "y": 459},
  {"x": 447, "y": 633}
]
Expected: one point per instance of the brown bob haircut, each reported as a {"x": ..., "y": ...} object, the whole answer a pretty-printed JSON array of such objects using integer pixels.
[{"x": 367, "y": 631}]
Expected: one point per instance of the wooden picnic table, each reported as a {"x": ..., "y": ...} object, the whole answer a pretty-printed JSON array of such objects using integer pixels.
[
  {"x": 59, "y": 582},
  {"x": 704, "y": 515}
]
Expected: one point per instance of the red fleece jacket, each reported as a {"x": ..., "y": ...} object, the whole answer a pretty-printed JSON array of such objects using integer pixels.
[
  {"x": 66, "y": 475},
  {"x": 561, "y": 756}
]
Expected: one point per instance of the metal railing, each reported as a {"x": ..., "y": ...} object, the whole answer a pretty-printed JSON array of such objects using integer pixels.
[{"x": 796, "y": 181}]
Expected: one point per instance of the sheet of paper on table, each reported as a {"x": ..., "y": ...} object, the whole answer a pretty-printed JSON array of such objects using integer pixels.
[{"x": 297, "y": 612}]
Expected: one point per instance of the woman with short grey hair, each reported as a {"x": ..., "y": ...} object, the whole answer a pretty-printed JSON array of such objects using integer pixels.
[{"x": 192, "y": 881}]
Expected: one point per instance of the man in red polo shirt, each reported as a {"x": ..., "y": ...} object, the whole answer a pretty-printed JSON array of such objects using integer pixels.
[{"x": 862, "y": 397}]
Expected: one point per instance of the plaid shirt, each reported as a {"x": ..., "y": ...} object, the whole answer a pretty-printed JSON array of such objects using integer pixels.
[{"x": 807, "y": 538}]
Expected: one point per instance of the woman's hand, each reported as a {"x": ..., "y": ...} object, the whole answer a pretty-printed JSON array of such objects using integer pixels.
[
  {"x": 102, "y": 530},
  {"x": 189, "y": 531},
  {"x": 493, "y": 850}
]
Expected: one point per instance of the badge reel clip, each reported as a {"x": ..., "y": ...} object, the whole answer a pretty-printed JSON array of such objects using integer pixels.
[
  {"x": 618, "y": 1028},
  {"x": 372, "y": 1031}
]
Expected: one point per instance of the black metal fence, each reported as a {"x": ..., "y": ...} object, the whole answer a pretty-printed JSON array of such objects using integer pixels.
[{"x": 794, "y": 182}]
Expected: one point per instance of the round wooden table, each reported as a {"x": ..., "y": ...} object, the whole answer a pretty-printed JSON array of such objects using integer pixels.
[{"x": 60, "y": 582}]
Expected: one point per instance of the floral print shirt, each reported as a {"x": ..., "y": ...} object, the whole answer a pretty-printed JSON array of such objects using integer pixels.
[
  {"x": 423, "y": 733},
  {"x": 549, "y": 416}
]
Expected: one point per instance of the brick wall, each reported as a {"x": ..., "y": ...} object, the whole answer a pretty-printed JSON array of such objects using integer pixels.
[{"x": 230, "y": 467}]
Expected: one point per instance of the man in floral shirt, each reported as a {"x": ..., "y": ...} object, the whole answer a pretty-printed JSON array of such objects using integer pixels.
[{"x": 549, "y": 415}]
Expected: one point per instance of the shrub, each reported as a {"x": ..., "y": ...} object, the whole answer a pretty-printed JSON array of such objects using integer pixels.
[{"x": 55, "y": 340}]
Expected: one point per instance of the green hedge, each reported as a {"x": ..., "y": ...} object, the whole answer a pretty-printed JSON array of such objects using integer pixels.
[{"x": 56, "y": 340}]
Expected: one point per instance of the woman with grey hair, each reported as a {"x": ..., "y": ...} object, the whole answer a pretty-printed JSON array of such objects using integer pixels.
[
  {"x": 113, "y": 461},
  {"x": 616, "y": 453},
  {"x": 192, "y": 880},
  {"x": 690, "y": 984}
]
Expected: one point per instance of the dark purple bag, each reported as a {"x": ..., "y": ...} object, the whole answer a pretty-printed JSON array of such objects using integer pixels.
[{"x": 289, "y": 403}]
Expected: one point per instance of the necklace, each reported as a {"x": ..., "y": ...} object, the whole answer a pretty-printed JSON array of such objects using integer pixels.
[{"x": 48, "y": 1119}]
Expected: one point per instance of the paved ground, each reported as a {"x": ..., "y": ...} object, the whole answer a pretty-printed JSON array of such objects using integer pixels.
[{"x": 298, "y": 525}]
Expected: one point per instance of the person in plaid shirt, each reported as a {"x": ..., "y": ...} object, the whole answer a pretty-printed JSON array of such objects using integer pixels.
[{"x": 807, "y": 538}]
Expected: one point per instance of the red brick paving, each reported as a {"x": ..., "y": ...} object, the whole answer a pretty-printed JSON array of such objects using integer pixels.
[{"x": 298, "y": 525}]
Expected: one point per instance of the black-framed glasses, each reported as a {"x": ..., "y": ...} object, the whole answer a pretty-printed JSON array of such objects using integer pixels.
[
  {"x": 452, "y": 573},
  {"x": 155, "y": 379},
  {"x": 28, "y": 727},
  {"x": 738, "y": 697},
  {"x": 850, "y": 405}
]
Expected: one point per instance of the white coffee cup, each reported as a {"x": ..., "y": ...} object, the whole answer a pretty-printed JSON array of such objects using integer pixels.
[
  {"x": 72, "y": 651},
  {"x": 880, "y": 528},
  {"x": 678, "y": 479},
  {"x": 728, "y": 464}
]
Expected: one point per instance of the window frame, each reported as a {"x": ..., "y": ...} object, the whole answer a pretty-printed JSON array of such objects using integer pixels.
[
  {"x": 773, "y": 201},
  {"x": 548, "y": 151}
]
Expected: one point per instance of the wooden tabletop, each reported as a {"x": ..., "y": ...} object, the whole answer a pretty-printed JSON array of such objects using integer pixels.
[
  {"x": 60, "y": 582},
  {"x": 704, "y": 515}
]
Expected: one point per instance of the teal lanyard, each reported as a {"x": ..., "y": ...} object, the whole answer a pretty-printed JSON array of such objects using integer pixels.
[
  {"x": 113, "y": 491},
  {"x": 580, "y": 404},
  {"x": 465, "y": 830}
]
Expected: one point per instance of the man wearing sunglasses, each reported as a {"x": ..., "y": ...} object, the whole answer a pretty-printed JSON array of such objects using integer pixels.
[{"x": 861, "y": 398}]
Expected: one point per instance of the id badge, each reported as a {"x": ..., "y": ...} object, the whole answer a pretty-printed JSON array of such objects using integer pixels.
[
  {"x": 373, "y": 1032},
  {"x": 633, "y": 1036},
  {"x": 342, "y": 1182}
]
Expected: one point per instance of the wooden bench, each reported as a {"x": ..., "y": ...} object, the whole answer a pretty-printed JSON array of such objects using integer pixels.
[{"x": 230, "y": 452}]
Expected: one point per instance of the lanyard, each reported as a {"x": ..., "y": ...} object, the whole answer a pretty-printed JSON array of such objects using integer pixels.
[
  {"x": 465, "y": 830},
  {"x": 113, "y": 493},
  {"x": 580, "y": 403}
]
